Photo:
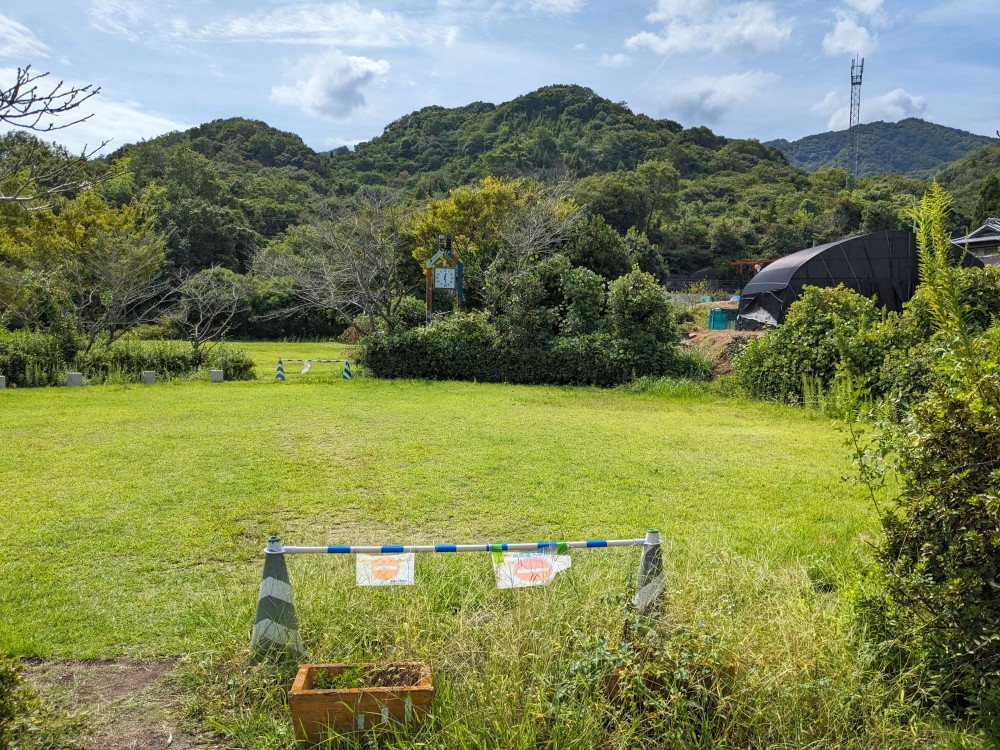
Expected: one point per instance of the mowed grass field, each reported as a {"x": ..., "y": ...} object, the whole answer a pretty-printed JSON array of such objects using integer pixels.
[{"x": 133, "y": 518}]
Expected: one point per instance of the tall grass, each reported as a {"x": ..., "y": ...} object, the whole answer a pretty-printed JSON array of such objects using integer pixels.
[
  {"x": 136, "y": 517},
  {"x": 744, "y": 654}
]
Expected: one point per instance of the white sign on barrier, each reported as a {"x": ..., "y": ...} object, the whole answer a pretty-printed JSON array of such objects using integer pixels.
[
  {"x": 519, "y": 569},
  {"x": 384, "y": 570}
]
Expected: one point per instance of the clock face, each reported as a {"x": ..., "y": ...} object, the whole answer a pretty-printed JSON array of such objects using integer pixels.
[{"x": 444, "y": 278}]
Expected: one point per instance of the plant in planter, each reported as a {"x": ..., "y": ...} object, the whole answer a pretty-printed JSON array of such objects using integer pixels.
[{"x": 345, "y": 697}]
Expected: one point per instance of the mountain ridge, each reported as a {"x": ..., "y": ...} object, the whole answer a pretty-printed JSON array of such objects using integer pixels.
[{"x": 911, "y": 147}]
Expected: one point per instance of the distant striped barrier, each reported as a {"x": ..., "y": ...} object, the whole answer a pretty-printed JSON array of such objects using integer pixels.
[
  {"x": 276, "y": 624},
  {"x": 307, "y": 363}
]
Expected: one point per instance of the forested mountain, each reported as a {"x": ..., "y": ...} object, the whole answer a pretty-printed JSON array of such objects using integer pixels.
[
  {"x": 238, "y": 194},
  {"x": 699, "y": 199},
  {"x": 965, "y": 178},
  {"x": 556, "y": 130},
  {"x": 229, "y": 186},
  {"x": 909, "y": 147}
]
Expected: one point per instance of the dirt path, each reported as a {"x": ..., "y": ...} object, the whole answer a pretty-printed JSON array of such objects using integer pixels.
[
  {"x": 122, "y": 704},
  {"x": 719, "y": 346}
]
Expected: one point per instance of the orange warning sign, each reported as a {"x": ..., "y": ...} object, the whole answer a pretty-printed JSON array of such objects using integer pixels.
[
  {"x": 533, "y": 569},
  {"x": 385, "y": 568},
  {"x": 518, "y": 569}
]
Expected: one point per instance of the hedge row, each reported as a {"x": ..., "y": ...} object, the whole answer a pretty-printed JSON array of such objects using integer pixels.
[
  {"x": 468, "y": 347},
  {"x": 29, "y": 359},
  {"x": 835, "y": 331}
]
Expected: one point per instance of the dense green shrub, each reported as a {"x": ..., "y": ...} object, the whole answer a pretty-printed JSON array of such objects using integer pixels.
[
  {"x": 457, "y": 347},
  {"x": 127, "y": 359},
  {"x": 939, "y": 564},
  {"x": 940, "y": 560},
  {"x": 591, "y": 359},
  {"x": 826, "y": 330},
  {"x": 234, "y": 363},
  {"x": 643, "y": 321},
  {"x": 38, "y": 359},
  {"x": 17, "y": 702},
  {"x": 835, "y": 330},
  {"x": 31, "y": 359},
  {"x": 584, "y": 301},
  {"x": 468, "y": 346}
]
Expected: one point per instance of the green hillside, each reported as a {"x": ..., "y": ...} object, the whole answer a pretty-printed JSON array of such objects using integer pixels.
[
  {"x": 909, "y": 147},
  {"x": 552, "y": 131},
  {"x": 233, "y": 186},
  {"x": 964, "y": 178}
]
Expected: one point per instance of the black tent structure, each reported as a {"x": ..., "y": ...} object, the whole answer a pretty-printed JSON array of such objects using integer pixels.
[{"x": 882, "y": 265}]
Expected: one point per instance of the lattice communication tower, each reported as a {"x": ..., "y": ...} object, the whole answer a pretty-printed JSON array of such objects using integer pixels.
[{"x": 853, "y": 146}]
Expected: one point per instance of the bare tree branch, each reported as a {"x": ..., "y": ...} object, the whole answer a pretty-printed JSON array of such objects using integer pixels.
[
  {"x": 352, "y": 265},
  {"x": 528, "y": 234},
  {"x": 117, "y": 287},
  {"x": 32, "y": 171},
  {"x": 24, "y": 105},
  {"x": 209, "y": 303}
]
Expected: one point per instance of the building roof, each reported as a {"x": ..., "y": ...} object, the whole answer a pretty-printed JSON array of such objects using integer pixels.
[{"x": 987, "y": 234}]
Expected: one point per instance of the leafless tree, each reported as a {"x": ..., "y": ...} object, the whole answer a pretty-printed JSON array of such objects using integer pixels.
[
  {"x": 353, "y": 264},
  {"x": 30, "y": 172},
  {"x": 24, "y": 105},
  {"x": 209, "y": 303},
  {"x": 529, "y": 233},
  {"x": 116, "y": 286}
]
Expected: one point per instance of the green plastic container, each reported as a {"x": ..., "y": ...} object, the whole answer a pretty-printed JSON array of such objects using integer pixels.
[{"x": 721, "y": 318}]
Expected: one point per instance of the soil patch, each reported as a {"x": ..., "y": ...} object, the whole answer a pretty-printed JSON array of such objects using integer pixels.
[
  {"x": 368, "y": 675},
  {"x": 121, "y": 704},
  {"x": 719, "y": 346}
]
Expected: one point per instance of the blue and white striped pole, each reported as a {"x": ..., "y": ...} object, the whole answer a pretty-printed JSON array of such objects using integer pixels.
[
  {"x": 397, "y": 549},
  {"x": 276, "y": 626}
]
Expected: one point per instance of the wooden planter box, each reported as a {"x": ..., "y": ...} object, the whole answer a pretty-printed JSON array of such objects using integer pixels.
[{"x": 346, "y": 709}]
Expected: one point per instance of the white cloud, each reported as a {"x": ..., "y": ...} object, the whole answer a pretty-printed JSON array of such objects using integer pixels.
[
  {"x": 330, "y": 85},
  {"x": 557, "y": 7},
  {"x": 17, "y": 42},
  {"x": 337, "y": 141},
  {"x": 504, "y": 9},
  {"x": 117, "y": 122},
  {"x": 344, "y": 24},
  {"x": 707, "y": 99},
  {"x": 121, "y": 123},
  {"x": 738, "y": 29},
  {"x": 869, "y": 8},
  {"x": 119, "y": 17},
  {"x": 895, "y": 105},
  {"x": 668, "y": 10},
  {"x": 614, "y": 61},
  {"x": 849, "y": 37},
  {"x": 828, "y": 104}
]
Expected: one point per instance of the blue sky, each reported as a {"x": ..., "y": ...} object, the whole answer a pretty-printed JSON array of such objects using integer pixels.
[{"x": 338, "y": 72}]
